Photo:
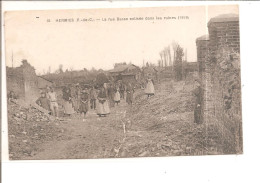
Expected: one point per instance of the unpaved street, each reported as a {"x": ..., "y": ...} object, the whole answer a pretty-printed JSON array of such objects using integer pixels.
[{"x": 160, "y": 126}]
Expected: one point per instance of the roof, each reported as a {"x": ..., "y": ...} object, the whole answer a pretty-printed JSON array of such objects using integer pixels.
[
  {"x": 203, "y": 38},
  {"x": 225, "y": 18},
  {"x": 122, "y": 68},
  {"x": 150, "y": 69},
  {"x": 45, "y": 79}
]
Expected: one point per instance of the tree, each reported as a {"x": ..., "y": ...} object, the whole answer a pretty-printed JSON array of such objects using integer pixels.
[
  {"x": 169, "y": 55},
  {"x": 101, "y": 79},
  {"x": 165, "y": 57},
  {"x": 49, "y": 70},
  {"x": 159, "y": 63},
  {"x": 161, "y": 55},
  {"x": 60, "y": 68},
  {"x": 178, "y": 62}
]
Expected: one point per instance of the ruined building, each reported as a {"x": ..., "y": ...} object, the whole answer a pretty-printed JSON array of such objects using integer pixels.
[
  {"x": 218, "y": 55},
  {"x": 24, "y": 82}
]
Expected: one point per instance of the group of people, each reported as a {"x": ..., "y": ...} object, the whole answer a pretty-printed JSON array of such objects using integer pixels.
[
  {"x": 81, "y": 98},
  {"x": 101, "y": 99}
]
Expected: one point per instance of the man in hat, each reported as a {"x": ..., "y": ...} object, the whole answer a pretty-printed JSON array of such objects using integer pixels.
[{"x": 198, "y": 93}]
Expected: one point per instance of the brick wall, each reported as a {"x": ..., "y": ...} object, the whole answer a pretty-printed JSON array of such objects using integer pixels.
[
  {"x": 220, "y": 74},
  {"x": 202, "y": 55}
]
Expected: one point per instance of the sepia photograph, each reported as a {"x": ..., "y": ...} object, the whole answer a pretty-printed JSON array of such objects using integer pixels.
[{"x": 123, "y": 82}]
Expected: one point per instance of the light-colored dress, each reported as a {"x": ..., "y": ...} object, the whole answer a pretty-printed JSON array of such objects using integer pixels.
[
  {"x": 149, "y": 90},
  {"x": 117, "y": 96},
  {"x": 102, "y": 104},
  {"x": 68, "y": 109}
]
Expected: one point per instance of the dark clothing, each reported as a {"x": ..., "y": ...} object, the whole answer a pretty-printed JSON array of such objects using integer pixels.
[
  {"x": 66, "y": 95},
  {"x": 93, "y": 93},
  {"x": 102, "y": 94},
  {"x": 122, "y": 90},
  {"x": 44, "y": 103},
  {"x": 111, "y": 92},
  {"x": 198, "y": 93},
  {"x": 129, "y": 95},
  {"x": 93, "y": 98},
  {"x": 84, "y": 102},
  {"x": 93, "y": 103}
]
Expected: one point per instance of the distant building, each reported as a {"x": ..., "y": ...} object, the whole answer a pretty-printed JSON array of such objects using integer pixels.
[
  {"x": 190, "y": 68},
  {"x": 126, "y": 73},
  {"x": 151, "y": 71}
]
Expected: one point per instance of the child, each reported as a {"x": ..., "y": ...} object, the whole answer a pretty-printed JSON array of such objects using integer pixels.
[
  {"x": 83, "y": 108},
  {"x": 149, "y": 90}
]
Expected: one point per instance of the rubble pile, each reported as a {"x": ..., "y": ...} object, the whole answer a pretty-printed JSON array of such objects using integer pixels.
[
  {"x": 163, "y": 125},
  {"x": 28, "y": 127}
]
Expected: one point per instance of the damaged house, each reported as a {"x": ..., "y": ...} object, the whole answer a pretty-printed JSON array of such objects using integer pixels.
[
  {"x": 24, "y": 82},
  {"x": 126, "y": 72}
]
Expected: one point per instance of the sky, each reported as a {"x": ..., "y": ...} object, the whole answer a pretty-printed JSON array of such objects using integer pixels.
[{"x": 100, "y": 44}]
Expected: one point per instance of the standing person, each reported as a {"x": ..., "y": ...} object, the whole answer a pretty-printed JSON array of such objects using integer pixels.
[
  {"x": 110, "y": 93},
  {"x": 84, "y": 98},
  {"x": 117, "y": 96},
  {"x": 93, "y": 98},
  {"x": 102, "y": 106},
  {"x": 129, "y": 94},
  {"x": 122, "y": 90},
  {"x": 149, "y": 90},
  {"x": 68, "y": 108},
  {"x": 77, "y": 97},
  {"x": 198, "y": 93},
  {"x": 52, "y": 97},
  {"x": 44, "y": 102}
]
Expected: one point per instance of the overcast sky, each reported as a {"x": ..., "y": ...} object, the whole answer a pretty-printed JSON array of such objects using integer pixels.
[{"x": 100, "y": 44}]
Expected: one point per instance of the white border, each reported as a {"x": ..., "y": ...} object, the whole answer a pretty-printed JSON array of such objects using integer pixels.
[{"x": 217, "y": 169}]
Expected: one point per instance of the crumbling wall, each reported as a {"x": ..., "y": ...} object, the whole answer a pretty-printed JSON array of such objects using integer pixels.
[
  {"x": 23, "y": 81},
  {"x": 30, "y": 83},
  {"x": 221, "y": 79},
  {"x": 15, "y": 81}
]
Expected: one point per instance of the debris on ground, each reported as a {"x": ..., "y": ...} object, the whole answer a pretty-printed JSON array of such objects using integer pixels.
[{"x": 27, "y": 128}]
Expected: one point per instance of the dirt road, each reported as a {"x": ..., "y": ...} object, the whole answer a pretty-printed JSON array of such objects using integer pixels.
[{"x": 160, "y": 126}]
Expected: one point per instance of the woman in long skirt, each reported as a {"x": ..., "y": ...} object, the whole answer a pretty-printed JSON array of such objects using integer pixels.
[
  {"x": 102, "y": 104},
  {"x": 68, "y": 108},
  {"x": 117, "y": 96},
  {"x": 83, "y": 107},
  {"x": 149, "y": 90}
]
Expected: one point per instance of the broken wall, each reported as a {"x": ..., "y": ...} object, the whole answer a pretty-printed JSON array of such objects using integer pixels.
[{"x": 220, "y": 74}]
